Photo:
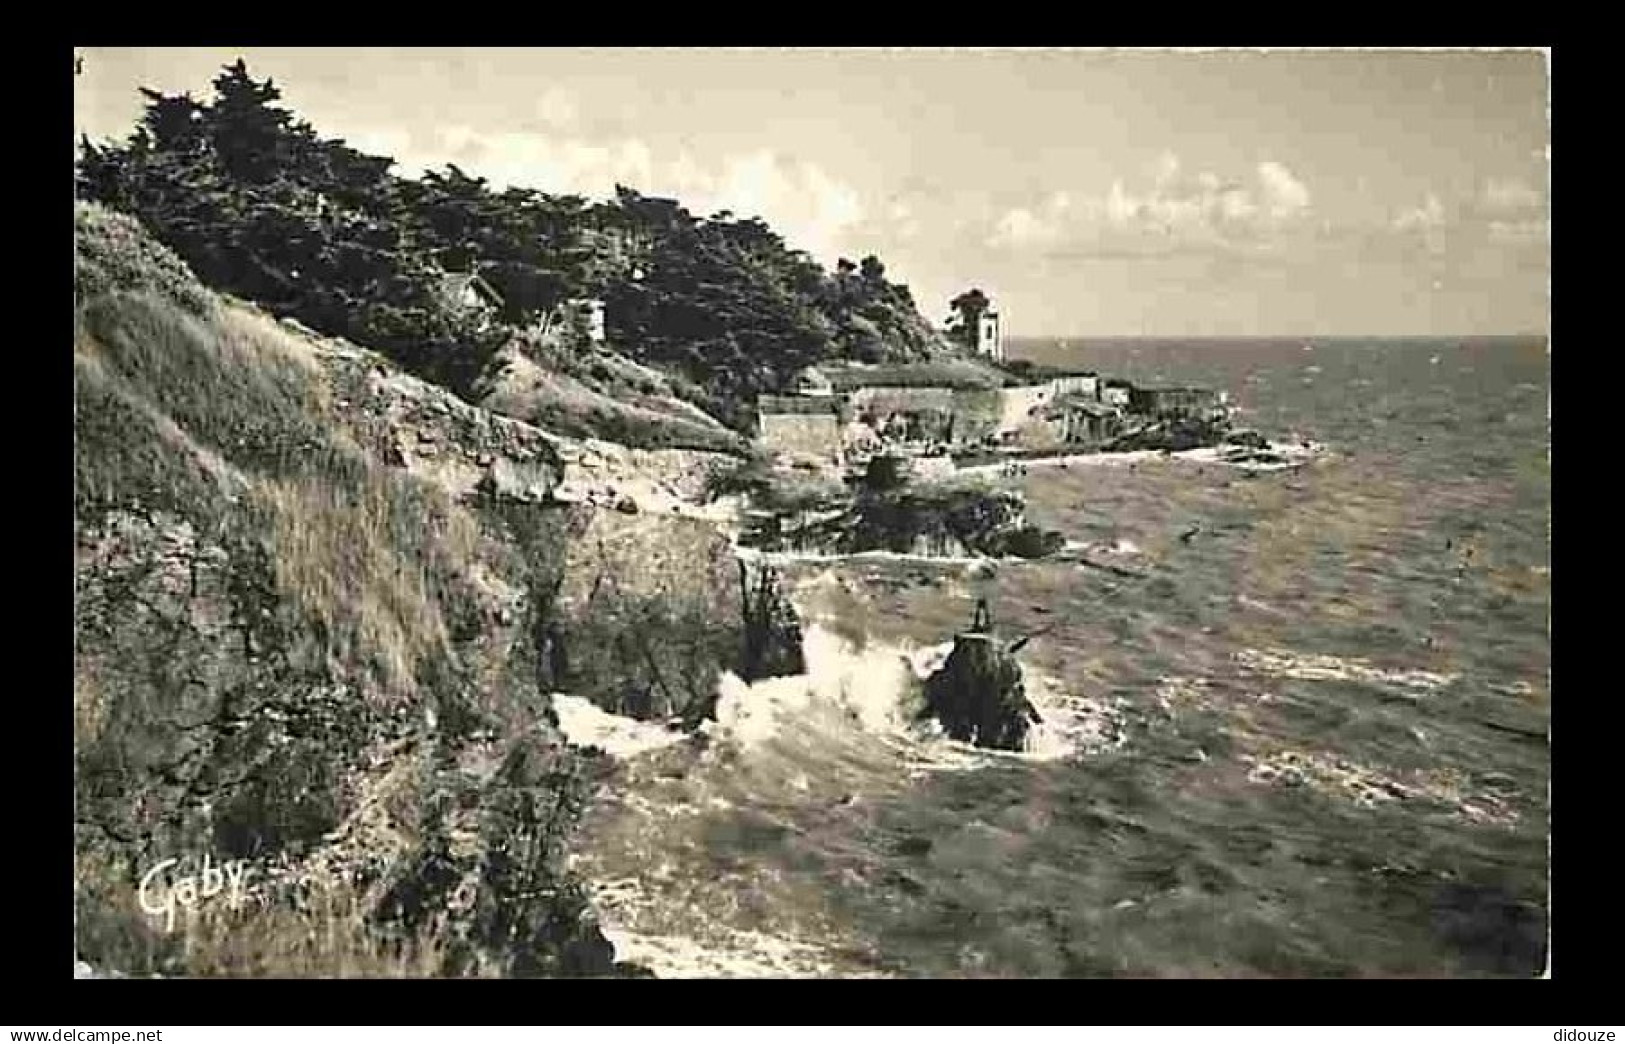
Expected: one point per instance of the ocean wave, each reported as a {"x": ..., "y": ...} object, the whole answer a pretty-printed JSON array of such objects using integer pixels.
[
  {"x": 788, "y": 756},
  {"x": 742, "y": 955},
  {"x": 785, "y": 557},
  {"x": 1318, "y": 667},
  {"x": 1074, "y": 725},
  {"x": 638, "y": 924},
  {"x": 1120, "y": 546},
  {"x": 1294, "y": 453},
  {"x": 878, "y": 691},
  {"x": 868, "y": 686},
  {"x": 1368, "y": 787},
  {"x": 586, "y": 725}
]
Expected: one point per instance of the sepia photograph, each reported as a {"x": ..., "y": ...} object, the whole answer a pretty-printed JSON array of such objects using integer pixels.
[{"x": 811, "y": 513}]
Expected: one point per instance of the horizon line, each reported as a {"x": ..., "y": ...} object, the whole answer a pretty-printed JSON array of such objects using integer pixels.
[{"x": 1276, "y": 336}]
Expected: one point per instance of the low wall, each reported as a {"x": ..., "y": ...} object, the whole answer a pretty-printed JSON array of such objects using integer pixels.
[
  {"x": 813, "y": 434},
  {"x": 965, "y": 414},
  {"x": 1017, "y": 404}
]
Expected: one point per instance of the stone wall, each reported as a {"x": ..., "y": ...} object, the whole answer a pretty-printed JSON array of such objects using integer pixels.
[
  {"x": 1192, "y": 401},
  {"x": 880, "y": 402},
  {"x": 811, "y": 434},
  {"x": 956, "y": 414}
]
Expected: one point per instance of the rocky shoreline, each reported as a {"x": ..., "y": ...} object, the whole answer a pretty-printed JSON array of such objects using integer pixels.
[{"x": 375, "y": 642}]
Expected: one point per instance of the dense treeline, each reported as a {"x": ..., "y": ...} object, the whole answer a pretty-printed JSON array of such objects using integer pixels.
[{"x": 263, "y": 207}]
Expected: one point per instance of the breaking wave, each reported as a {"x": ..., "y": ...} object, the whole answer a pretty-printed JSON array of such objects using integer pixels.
[
  {"x": 783, "y": 756},
  {"x": 877, "y": 690},
  {"x": 585, "y": 725}
]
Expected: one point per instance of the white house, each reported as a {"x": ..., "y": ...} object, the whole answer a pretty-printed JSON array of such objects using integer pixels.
[
  {"x": 986, "y": 338},
  {"x": 989, "y": 338},
  {"x": 812, "y": 381},
  {"x": 588, "y": 310},
  {"x": 1084, "y": 384},
  {"x": 594, "y": 310}
]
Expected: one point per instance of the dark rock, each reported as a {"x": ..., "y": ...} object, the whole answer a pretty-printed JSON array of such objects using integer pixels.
[
  {"x": 1173, "y": 435},
  {"x": 772, "y": 629},
  {"x": 914, "y": 846},
  {"x": 500, "y": 894},
  {"x": 1248, "y": 439},
  {"x": 886, "y": 472},
  {"x": 642, "y": 613},
  {"x": 1025, "y": 541},
  {"x": 978, "y": 694}
]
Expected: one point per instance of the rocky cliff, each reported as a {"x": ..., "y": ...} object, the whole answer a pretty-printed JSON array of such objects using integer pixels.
[{"x": 320, "y": 610}]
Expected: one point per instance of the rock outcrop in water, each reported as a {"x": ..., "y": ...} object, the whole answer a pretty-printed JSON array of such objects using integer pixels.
[
  {"x": 978, "y": 694},
  {"x": 891, "y": 512},
  {"x": 1173, "y": 434},
  {"x": 772, "y": 629}
]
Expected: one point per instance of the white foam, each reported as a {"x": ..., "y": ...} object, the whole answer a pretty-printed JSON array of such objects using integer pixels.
[
  {"x": 704, "y": 948},
  {"x": 586, "y": 725},
  {"x": 871, "y": 556},
  {"x": 733, "y": 954},
  {"x": 1369, "y": 787},
  {"x": 869, "y": 686},
  {"x": 876, "y": 690},
  {"x": 1293, "y": 454},
  {"x": 1315, "y": 667}
]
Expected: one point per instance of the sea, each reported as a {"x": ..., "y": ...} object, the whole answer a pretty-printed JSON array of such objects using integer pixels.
[{"x": 1295, "y": 721}]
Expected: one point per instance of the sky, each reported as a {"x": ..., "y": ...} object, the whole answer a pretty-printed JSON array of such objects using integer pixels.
[{"x": 1088, "y": 192}]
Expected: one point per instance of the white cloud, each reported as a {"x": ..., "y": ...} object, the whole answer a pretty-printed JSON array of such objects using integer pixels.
[
  {"x": 557, "y": 107},
  {"x": 1507, "y": 212},
  {"x": 1425, "y": 224},
  {"x": 1429, "y": 217},
  {"x": 1511, "y": 196},
  {"x": 1165, "y": 169},
  {"x": 1021, "y": 228},
  {"x": 531, "y": 160},
  {"x": 1527, "y": 230},
  {"x": 811, "y": 208},
  {"x": 1284, "y": 195},
  {"x": 1175, "y": 210},
  {"x": 901, "y": 220},
  {"x": 1516, "y": 212}
]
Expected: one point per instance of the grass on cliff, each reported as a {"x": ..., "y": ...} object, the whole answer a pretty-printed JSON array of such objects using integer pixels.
[
  {"x": 959, "y": 372},
  {"x": 193, "y": 411},
  {"x": 220, "y": 419},
  {"x": 113, "y": 252},
  {"x": 615, "y": 405},
  {"x": 326, "y": 933}
]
